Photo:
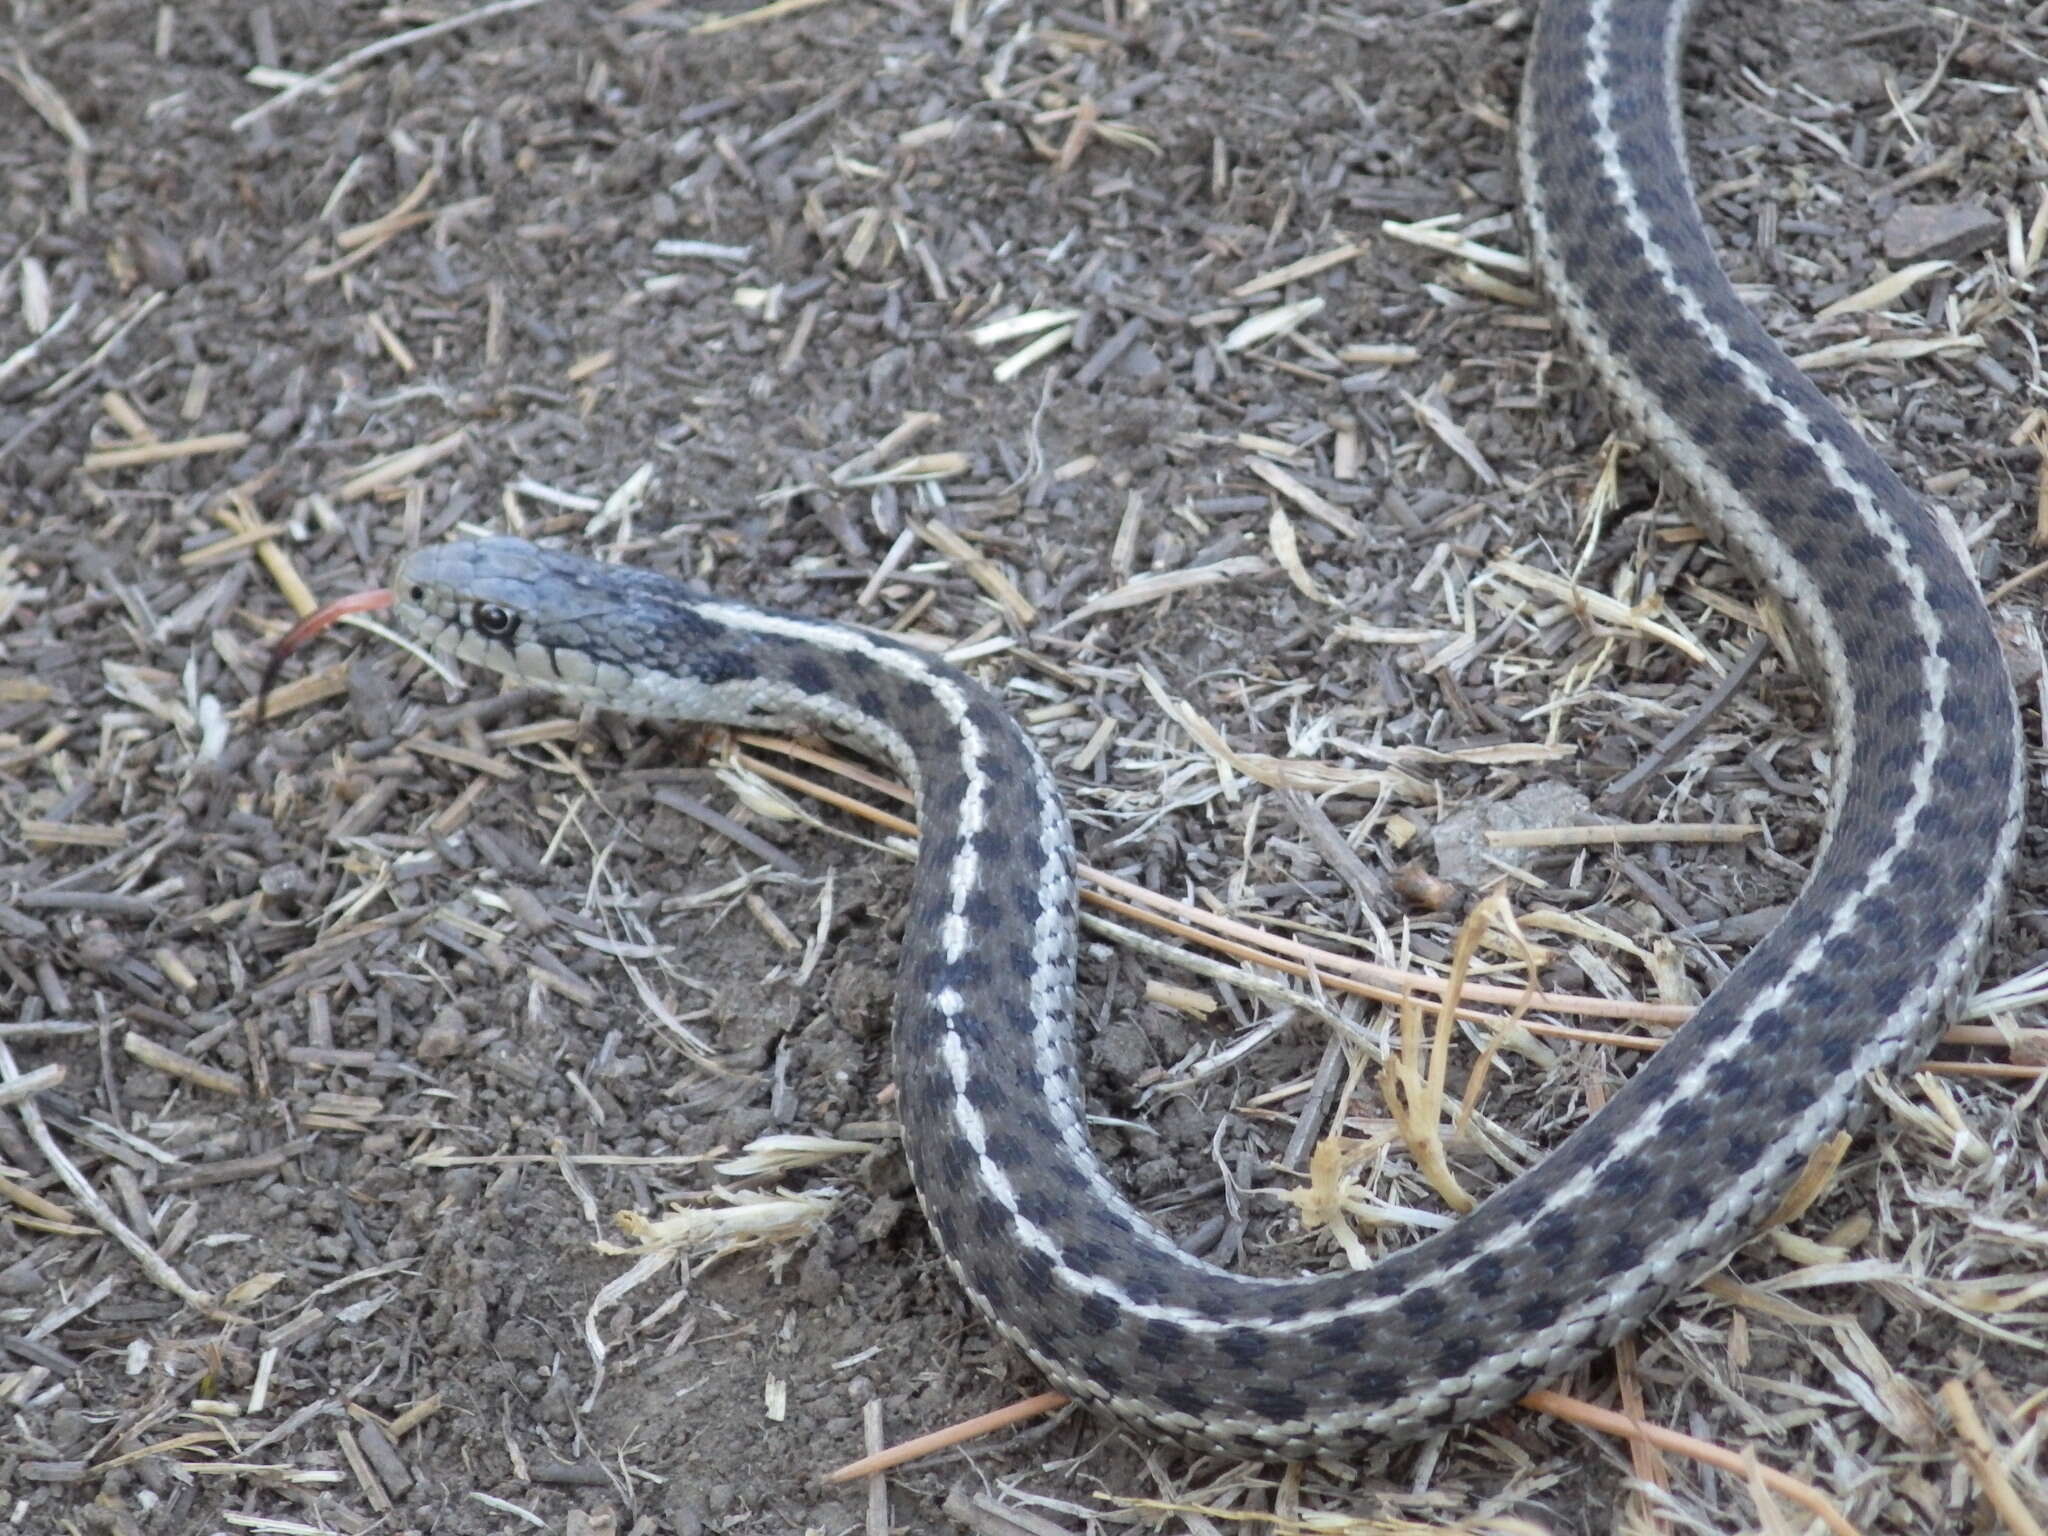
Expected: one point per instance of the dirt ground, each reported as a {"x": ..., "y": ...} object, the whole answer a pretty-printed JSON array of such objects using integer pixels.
[{"x": 362, "y": 1024}]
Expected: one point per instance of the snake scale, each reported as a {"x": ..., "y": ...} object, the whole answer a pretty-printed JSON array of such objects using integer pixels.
[{"x": 1691, "y": 1155}]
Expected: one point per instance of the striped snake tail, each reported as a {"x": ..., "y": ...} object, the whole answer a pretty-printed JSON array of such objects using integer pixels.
[{"x": 1690, "y": 1155}]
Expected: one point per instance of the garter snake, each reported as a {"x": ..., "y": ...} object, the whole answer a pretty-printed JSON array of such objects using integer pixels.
[{"x": 1691, "y": 1154}]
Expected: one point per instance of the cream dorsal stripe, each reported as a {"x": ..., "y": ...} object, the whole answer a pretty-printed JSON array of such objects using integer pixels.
[{"x": 1694, "y": 1150}]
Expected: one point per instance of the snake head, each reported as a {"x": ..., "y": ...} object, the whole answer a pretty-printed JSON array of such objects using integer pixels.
[{"x": 626, "y": 639}]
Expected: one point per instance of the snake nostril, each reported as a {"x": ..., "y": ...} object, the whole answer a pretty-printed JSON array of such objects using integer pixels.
[{"x": 419, "y": 593}]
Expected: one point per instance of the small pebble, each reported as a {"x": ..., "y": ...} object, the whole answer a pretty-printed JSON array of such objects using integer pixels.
[
  {"x": 446, "y": 1036},
  {"x": 1941, "y": 231}
]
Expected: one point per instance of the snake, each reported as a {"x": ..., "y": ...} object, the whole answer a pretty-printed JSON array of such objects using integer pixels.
[{"x": 1691, "y": 1155}]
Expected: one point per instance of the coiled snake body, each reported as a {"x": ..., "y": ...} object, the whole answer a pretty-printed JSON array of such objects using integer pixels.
[{"x": 1690, "y": 1155}]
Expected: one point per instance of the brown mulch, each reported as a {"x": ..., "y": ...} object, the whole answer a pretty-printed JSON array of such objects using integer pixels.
[{"x": 334, "y": 1045}]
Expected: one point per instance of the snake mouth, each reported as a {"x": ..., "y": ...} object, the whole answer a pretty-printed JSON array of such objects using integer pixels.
[{"x": 314, "y": 624}]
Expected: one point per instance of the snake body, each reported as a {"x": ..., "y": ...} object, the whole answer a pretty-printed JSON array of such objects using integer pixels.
[{"x": 1690, "y": 1155}]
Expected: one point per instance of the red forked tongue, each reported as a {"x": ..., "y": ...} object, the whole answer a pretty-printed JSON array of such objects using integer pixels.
[{"x": 315, "y": 623}]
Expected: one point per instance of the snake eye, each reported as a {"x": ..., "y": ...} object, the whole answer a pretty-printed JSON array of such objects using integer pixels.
[{"x": 493, "y": 621}]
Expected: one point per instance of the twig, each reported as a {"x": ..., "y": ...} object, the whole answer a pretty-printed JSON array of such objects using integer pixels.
[
  {"x": 1980, "y": 1454},
  {"x": 378, "y": 49},
  {"x": 153, "y": 1263},
  {"x": 1682, "y": 735},
  {"x": 1607, "y": 1421},
  {"x": 951, "y": 1435}
]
